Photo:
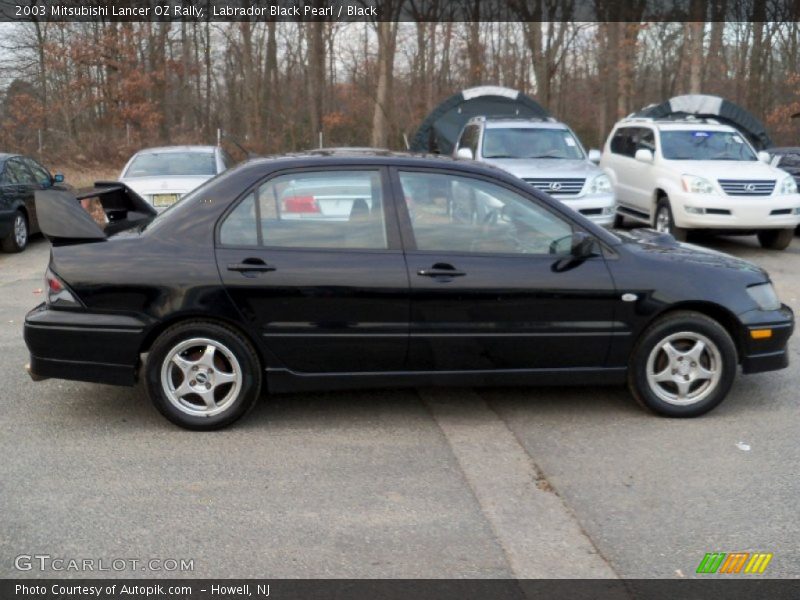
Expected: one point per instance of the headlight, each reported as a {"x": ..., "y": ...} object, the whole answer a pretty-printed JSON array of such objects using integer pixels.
[
  {"x": 765, "y": 296},
  {"x": 600, "y": 185},
  {"x": 789, "y": 186},
  {"x": 697, "y": 185}
]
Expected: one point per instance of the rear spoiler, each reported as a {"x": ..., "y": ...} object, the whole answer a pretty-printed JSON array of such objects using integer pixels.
[{"x": 63, "y": 220}]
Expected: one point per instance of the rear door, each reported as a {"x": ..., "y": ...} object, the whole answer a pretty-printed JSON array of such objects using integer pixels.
[
  {"x": 326, "y": 290},
  {"x": 492, "y": 287}
]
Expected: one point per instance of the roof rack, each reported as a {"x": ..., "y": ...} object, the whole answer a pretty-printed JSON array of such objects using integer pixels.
[
  {"x": 512, "y": 118},
  {"x": 675, "y": 118}
]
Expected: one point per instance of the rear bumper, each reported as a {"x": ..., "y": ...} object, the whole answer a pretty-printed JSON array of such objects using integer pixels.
[
  {"x": 768, "y": 354},
  {"x": 83, "y": 346}
]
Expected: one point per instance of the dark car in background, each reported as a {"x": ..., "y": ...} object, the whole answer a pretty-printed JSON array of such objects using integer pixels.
[
  {"x": 443, "y": 273},
  {"x": 20, "y": 178},
  {"x": 788, "y": 159}
]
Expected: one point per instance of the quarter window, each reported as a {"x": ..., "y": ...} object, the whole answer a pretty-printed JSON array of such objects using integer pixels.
[
  {"x": 327, "y": 209},
  {"x": 459, "y": 214}
]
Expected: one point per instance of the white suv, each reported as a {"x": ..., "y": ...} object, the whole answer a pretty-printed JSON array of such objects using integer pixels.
[
  {"x": 546, "y": 154},
  {"x": 677, "y": 175}
]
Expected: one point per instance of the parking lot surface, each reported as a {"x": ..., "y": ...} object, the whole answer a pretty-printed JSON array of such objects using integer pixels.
[{"x": 398, "y": 483}]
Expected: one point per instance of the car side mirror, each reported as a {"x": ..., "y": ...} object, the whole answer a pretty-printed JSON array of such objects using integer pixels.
[
  {"x": 583, "y": 245},
  {"x": 58, "y": 178},
  {"x": 644, "y": 155},
  {"x": 764, "y": 157},
  {"x": 464, "y": 153},
  {"x": 595, "y": 155}
]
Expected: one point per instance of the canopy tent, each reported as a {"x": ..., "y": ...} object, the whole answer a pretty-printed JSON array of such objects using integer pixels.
[
  {"x": 439, "y": 131},
  {"x": 712, "y": 107}
]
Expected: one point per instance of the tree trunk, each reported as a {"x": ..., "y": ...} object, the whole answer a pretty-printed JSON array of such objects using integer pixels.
[{"x": 381, "y": 118}]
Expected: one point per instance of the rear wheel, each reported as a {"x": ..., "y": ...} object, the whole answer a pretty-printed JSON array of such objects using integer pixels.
[
  {"x": 683, "y": 365},
  {"x": 202, "y": 375},
  {"x": 665, "y": 223},
  {"x": 17, "y": 240},
  {"x": 775, "y": 239}
]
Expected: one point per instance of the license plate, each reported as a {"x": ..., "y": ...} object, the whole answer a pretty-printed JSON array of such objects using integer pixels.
[{"x": 162, "y": 200}]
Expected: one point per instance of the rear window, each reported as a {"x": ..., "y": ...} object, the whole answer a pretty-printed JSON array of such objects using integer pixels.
[{"x": 166, "y": 164}]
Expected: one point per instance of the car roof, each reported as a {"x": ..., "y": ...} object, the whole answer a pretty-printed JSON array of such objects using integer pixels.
[
  {"x": 372, "y": 156},
  {"x": 168, "y": 149}
]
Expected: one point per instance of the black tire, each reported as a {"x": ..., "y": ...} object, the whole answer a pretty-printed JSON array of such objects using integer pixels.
[
  {"x": 775, "y": 239},
  {"x": 709, "y": 392},
  {"x": 663, "y": 207},
  {"x": 188, "y": 409},
  {"x": 619, "y": 221},
  {"x": 12, "y": 242}
]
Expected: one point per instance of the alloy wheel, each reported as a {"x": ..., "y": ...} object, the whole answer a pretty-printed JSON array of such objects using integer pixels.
[
  {"x": 684, "y": 368},
  {"x": 663, "y": 221},
  {"x": 201, "y": 377},
  {"x": 20, "y": 231}
]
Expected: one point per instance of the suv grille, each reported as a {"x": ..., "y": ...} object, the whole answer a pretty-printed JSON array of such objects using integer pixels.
[
  {"x": 747, "y": 187},
  {"x": 557, "y": 187}
]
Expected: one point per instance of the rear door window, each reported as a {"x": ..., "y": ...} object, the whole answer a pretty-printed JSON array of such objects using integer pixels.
[
  {"x": 323, "y": 209},
  {"x": 18, "y": 173}
]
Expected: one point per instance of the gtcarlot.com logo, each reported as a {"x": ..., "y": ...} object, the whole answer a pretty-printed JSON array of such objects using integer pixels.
[
  {"x": 46, "y": 562},
  {"x": 733, "y": 563}
]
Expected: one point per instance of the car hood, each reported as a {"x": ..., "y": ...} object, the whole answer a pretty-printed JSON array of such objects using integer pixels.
[
  {"x": 147, "y": 186},
  {"x": 546, "y": 167},
  {"x": 662, "y": 246},
  {"x": 728, "y": 169}
]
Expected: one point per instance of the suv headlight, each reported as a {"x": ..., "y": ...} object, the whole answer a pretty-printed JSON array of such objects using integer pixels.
[
  {"x": 789, "y": 186},
  {"x": 765, "y": 296},
  {"x": 600, "y": 185},
  {"x": 697, "y": 185}
]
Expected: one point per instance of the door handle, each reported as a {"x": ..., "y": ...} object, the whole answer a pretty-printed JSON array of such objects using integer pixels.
[
  {"x": 251, "y": 265},
  {"x": 441, "y": 270}
]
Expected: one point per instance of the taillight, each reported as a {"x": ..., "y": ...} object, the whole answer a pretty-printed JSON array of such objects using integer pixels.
[
  {"x": 57, "y": 293},
  {"x": 300, "y": 204}
]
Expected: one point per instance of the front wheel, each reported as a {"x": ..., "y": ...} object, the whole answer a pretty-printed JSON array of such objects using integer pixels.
[
  {"x": 665, "y": 222},
  {"x": 17, "y": 240},
  {"x": 775, "y": 239},
  {"x": 683, "y": 365},
  {"x": 202, "y": 375}
]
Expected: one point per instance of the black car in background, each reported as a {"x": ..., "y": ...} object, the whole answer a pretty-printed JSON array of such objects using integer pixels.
[
  {"x": 788, "y": 159},
  {"x": 20, "y": 178},
  {"x": 362, "y": 269}
]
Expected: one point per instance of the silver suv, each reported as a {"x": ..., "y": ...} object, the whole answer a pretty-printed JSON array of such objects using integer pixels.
[{"x": 546, "y": 154}]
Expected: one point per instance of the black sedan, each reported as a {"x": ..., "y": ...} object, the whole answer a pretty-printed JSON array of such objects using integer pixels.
[
  {"x": 20, "y": 178},
  {"x": 363, "y": 269}
]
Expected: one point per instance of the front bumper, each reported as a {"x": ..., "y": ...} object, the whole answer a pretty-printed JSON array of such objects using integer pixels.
[
  {"x": 83, "y": 346},
  {"x": 598, "y": 208},
  {"x": 766, "y": 354},
  {"x": 735, "y": 212}
]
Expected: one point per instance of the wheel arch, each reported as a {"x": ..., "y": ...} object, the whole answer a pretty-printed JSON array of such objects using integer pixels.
[
  {"x": 162, "y": 326},
  {"x": 714, "y": 311}
]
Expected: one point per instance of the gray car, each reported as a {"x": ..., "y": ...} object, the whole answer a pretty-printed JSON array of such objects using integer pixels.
[{"x": 546, "y": 154}]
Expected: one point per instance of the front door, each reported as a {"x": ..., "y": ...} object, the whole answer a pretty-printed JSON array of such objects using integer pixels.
[
  {"x": 312, "y": 259},
  {"x": 492, "y": 284}
]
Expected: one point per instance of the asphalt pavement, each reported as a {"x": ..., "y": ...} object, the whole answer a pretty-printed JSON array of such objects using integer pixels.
[{"x": 396, "y": 483}]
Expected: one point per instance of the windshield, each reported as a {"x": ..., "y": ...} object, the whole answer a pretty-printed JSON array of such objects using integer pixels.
[
  {"x": 175, "y": 164},
  {"x": 705, "y": 145},
  {"x": 522, "y": 142}
]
